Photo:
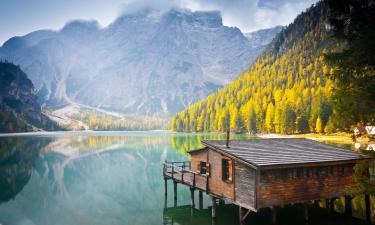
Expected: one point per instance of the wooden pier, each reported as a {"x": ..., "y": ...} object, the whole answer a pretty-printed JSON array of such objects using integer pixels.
[{"x": 266, "y": 173}]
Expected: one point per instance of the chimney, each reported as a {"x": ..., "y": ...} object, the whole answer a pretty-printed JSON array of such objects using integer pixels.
[{"x": 228, "y": 137}]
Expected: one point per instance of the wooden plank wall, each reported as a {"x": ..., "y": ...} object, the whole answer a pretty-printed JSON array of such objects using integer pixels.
[
  {"x": 196, "y": 157},
  {"x": 215, "y": 182},
  {"x": 245, "y": 185},
  {"x": 216, "y": 185},
  {"x": 273, "y": 191}
]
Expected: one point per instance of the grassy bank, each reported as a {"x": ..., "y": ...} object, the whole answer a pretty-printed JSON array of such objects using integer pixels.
[{"x": 338, "y": 138}]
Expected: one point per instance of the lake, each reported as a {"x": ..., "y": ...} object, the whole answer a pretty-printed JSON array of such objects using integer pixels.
[{"x": 109, "y": 178}]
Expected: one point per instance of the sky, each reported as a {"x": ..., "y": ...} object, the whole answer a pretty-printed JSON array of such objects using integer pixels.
[{"x": 19, "y": 17}]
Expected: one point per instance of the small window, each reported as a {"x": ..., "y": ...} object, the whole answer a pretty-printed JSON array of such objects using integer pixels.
[
  {"x": 202, "y": 167},
  {"x": 281, "y": 174},
  {"x": 341, "y": 170},
  {"x": 305, "y": 173},
  {"x": 226, "y": 170},
  {"x": 315, "y": 172},
  {"x": 263, "y": 177},
  {"x": 295, "y": 173},
  {"x": 329, "y": 171}
]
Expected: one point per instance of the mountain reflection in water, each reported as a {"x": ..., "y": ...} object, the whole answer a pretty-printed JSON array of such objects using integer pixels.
[{"x": 101, "y": 178}]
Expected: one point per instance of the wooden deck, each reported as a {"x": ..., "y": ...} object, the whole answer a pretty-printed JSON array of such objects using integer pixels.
[{"x": 180, "y": 172}]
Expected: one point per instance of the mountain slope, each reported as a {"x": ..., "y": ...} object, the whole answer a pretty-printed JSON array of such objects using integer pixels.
[
  {"x": 147, "y": 63},
  {"x": 284, "y": 91},
  {"x": 19, "y": 108}
]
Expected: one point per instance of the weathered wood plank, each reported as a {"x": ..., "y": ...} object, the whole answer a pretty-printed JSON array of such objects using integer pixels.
[{"x": 245, "y": 185}]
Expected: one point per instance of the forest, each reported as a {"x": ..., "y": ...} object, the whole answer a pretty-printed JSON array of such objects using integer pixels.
[{"x": 291, "y": 88}]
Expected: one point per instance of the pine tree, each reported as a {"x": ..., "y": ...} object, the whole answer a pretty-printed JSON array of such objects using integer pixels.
[
  {"x": 319, "y": 125},
  {"x": 270, "y": 114}
]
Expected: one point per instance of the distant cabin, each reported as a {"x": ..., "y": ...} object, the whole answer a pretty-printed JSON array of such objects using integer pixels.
[{"x": 260, "y": 173}]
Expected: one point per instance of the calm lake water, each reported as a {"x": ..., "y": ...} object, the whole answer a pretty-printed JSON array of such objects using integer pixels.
[{"x": 109, "y": 178}]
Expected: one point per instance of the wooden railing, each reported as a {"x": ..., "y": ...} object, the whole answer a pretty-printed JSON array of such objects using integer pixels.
[{"x": 181, "y": 171}]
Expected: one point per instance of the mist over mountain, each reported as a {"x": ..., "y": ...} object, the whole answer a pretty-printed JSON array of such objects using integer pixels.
[{"x": 145, "y": 63}]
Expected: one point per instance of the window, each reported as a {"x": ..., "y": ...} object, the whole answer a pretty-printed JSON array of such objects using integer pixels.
[
  {"x": 295, "y": 173},
  {"x": 226, "y": 169},
  {"x": 305, "y": 173},
  {"x": 329, "y": 171},
  {"x": 281, "y": 174},
  {"x": 202, "y": 167},
  {"x": 315, "y": 172},
  {"x": 263, "y": 177},
  {"x": 341, "y": 170}
]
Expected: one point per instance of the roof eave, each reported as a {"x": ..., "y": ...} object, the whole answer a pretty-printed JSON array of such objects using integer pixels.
[
  {"x": 197, "y": 150},
  {"x": 310, "y": 164}
]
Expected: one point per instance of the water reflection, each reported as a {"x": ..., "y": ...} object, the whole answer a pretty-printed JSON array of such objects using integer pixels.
[
  {"x": 228, "y": 215},
  {"x": 99, "y": 178},
  {"x": 17, "y": 157}
]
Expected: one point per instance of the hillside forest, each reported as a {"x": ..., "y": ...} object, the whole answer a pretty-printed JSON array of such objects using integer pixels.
[{"x": 293, "y": 87}]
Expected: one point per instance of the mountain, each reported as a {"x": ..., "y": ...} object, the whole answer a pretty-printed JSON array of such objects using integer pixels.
[
  {"x": 19, "y": 108},
  {"x": 284, "y": 91},
  {"x": 148, "y": 63},
  {"x": 261, "y": 38}
]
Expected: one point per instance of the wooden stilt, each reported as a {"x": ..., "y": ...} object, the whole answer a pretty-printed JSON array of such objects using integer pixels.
[
  {"x": 316, "y": 203},
  {"x": 368, "y": 208},
  {"x": 332, "y": 206},
  {"x": 213, "y": 200},
  {"x": 306, "y": 211},
  {"x": 192, "y": 197},
  {"x": 200, "y": 200},
  {"x": 175, "y": 192},
  {"x": 348, "y": 205},
  {"x": 327, "y": 206},
  {"x": 165, "y": 186},
  {"x": 274, "y": 215},
  {"x": 241, "y": 214}
]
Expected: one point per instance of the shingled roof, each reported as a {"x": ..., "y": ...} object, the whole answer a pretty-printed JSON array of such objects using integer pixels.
[{"x": 282, "y": 151}]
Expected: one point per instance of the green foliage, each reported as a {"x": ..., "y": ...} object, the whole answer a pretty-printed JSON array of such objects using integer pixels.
[
  {"x": 284, "y": 91},
  {"x": 364, "y": 184},
  {"x": 353, "y": 64},
  {"x": 319, "y": 126}
]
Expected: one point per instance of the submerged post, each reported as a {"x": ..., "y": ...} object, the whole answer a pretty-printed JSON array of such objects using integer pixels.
[
  {"x": 327, "y": 206},
  {"x": 241, "y": 212},
  {"x": 348, "y": 205},
  {"x": 213, "y": 211},
  {"x": 332, "y": 205},
  {"x": 165, "y": 187},
  {"x": 306, "y": 211},
  {"x": 274, "y": 210},
  {"x": 368, "y": 208},
  {"x": 192, "y": 197},
  {"x": 200, "y": 200},
  {"x": 175, "y": 192}
]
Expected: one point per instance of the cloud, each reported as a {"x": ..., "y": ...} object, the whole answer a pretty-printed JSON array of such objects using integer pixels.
[
  {"x": 134, "y": 6},
  {"x": 248, "y": 15}
]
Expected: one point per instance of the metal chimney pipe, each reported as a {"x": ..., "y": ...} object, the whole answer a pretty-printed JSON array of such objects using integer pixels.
[{"x": 228, "y": 137}]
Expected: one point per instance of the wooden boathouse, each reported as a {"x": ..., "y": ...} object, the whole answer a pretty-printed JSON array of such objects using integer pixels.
[{"x": 266, "y": 173}]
